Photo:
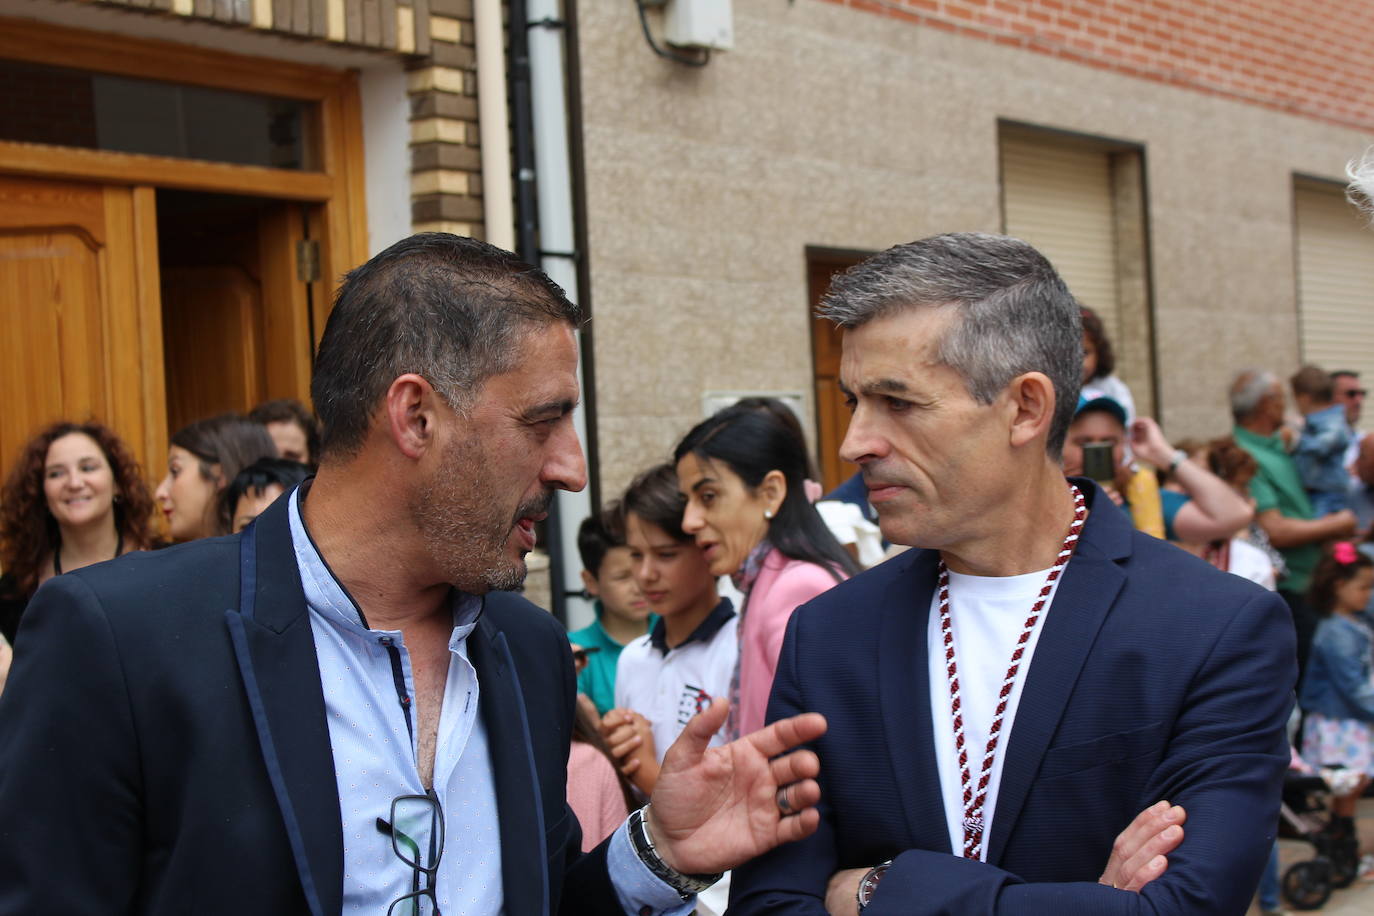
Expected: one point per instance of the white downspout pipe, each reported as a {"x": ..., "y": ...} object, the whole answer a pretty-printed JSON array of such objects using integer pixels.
[
  {"x": 548, "y": 96},
  {"x": 493, "y": 122}
]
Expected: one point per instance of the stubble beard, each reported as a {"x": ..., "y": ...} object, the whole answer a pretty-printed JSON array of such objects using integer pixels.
[{"x": 462, "y": 524}]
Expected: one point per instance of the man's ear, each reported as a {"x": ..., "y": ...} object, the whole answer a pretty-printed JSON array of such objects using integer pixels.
[
  {"x": 410, "y": 406},
  {"x": 1031, "y": 401}
]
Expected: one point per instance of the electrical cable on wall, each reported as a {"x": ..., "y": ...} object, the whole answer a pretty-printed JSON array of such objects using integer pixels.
[{"x": 675, "y": 56}]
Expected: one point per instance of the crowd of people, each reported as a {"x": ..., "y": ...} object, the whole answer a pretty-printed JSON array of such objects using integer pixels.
[
  {"x": 76, "y": 496},
  {"x": 1282, "y": 499},
  {"x": 1025, "y": 505}
]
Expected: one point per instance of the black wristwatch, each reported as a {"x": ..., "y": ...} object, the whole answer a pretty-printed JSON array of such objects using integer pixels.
[
  {"x": 869, "y": 884},
  {"x": 687, "y": 886}
]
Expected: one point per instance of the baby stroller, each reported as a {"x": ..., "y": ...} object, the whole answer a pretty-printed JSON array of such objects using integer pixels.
[{"x": 1308, "y": 884}]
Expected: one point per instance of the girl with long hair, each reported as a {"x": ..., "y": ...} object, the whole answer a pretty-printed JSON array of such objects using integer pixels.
[{"x": 76, "y": 496}]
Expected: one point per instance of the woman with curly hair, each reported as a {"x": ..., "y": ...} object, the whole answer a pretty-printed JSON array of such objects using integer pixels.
[{"x": 75, "y": 497}]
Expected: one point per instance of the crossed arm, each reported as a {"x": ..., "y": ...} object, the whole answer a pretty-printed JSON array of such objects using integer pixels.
[{"x": 1224, "y": 764}]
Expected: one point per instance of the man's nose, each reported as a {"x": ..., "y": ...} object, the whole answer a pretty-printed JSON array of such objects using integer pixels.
[
  {"x": 566, "y": 468},
  {"x": 862, "y": 442}
]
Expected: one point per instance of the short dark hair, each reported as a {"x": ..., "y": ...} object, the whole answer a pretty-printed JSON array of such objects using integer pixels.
[
  {"x": 290, "y": 410},
  {"x": 1344, "y": 373},
  {"x": 597, "y": 535},
  {"x": 260, "y": 475},
  {"x": 1314, "y": 382},
  {"x": 450, "y": 309},
  {"x": 1097, "y": 332},
  {"x": 655, "y": 498}
]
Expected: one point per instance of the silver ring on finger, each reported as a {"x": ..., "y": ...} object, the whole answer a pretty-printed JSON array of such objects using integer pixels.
[{"x": 784, "y": 805}]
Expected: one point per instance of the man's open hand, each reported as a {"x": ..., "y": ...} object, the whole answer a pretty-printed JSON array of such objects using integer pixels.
[
  {"x": 717, "y": 807},
  {"x": 1140, "y": 853}
]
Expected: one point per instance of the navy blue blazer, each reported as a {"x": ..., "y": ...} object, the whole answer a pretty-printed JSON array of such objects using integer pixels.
[
  {"x": 164, "y": 748},
  {"x": 1155, "y": 677}
]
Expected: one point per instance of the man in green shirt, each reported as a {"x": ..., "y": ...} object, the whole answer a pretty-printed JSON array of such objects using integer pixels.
[{"x": 1282, "y": 508}]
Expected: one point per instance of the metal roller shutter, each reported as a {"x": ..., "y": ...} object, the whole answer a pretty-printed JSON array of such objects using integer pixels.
[
  {"x": 1335, "y": 281},
  {"x": 1058, "y": 197}
]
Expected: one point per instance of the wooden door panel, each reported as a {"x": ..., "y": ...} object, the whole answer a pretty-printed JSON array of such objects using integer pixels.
[
  {"x": 52, "y": 308},
  {"x": 76, "y": 340},
  {"x": 212, "y": 332}
]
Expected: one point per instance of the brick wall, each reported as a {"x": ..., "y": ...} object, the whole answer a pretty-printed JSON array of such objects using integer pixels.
[{"x": 1307, "y": 57}]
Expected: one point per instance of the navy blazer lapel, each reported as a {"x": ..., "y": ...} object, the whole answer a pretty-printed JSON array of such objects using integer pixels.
[
  {"x": 904, "y": 697},
  {"x": 1081, "y": 603},
  {"x": 525, "y": 877},
  {"x": 276, "y": 654}
]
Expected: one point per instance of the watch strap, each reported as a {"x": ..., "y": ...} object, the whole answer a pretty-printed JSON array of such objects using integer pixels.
[{"x": 686, "y": 885}]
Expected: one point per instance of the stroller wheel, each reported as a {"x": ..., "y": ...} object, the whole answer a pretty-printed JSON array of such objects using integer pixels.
[
  {"x": 1345, "y": 865},
  {"x": 1307, "y": 885}
]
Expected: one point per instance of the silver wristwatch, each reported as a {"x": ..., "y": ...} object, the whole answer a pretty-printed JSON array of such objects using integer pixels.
[
  {"x": 687, "y": 886},
  {"x": 869, "y": 883}
]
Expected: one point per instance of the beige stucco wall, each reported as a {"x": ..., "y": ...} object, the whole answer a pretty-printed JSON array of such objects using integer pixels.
[{"x": 828, "y": 127}]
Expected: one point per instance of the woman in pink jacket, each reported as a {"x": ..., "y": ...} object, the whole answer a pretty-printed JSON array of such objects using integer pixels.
[{"x": 743, "y": 472}]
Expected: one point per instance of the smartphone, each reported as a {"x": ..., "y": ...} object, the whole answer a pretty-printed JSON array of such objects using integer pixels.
[{"x": 1098, "y": 462}]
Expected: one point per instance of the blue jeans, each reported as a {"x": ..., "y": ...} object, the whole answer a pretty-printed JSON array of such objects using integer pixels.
[{"x": 1269, "y": 882}]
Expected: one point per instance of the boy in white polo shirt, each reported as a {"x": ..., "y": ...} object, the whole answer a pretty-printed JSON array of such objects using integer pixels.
[{"x": 689, "y": 657}]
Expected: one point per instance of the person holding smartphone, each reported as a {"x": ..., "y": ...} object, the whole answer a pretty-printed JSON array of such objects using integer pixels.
[{"x": 1204, "y": 508}]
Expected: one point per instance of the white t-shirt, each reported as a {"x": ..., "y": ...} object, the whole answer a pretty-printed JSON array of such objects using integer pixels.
[
  {"x": 669, "y": 686},
  {"x": 1249, "y": 562},
  {"x": 987, "y": 615}
]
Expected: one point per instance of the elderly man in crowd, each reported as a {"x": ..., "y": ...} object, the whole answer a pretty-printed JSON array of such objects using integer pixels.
[
  {"x": 1282, "y": 508},
  {"x": 1005, "y": 699},
  {"x": 337, "y": 711}
]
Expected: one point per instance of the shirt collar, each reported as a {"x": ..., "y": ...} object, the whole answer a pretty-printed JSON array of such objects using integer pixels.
[
  {"x": 705, "y": 631},
  {"x": 326, "y": 595},
  {"x": 1272, "y": 443}
]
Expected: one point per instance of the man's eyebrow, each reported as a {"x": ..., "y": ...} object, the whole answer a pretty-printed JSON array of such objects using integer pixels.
[
  {"x": 550, "y": 409},
  {"x": 879, "y": 386}
]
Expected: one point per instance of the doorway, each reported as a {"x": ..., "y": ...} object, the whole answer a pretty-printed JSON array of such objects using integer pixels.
[
  {"x": 832, "y": 416},
  {"x": 236, "y": 317},
  {"x": 159, "y": 269}
]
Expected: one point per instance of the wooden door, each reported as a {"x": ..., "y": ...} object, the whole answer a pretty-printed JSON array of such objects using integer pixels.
[
  {"x": 236, "y": 314},
  {"x": 78, "y": 312},
  {"x": 832, "y": 416}
]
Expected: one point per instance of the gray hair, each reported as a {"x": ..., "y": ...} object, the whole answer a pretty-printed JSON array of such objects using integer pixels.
[
  {"x": 1360, "y": 191},
  {"x": 1247, "y": 390},
  {"x": 450, "y": 309},
  {"x": 1015, "y": 315}
]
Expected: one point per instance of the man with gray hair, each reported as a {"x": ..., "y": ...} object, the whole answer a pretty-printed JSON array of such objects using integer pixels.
[
  {"x": 1282, "y": 508},
  {"x": 1006, "y": 698}
]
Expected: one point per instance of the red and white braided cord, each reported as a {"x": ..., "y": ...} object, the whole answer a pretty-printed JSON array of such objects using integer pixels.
[{"x": 975, "y": 797}]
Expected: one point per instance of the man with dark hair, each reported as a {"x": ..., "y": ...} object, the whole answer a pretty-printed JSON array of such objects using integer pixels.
[
  {"x": 292, "y": 427},
  {"x": 370, "y": 727},
  {"x": 1006, "y": 698}
]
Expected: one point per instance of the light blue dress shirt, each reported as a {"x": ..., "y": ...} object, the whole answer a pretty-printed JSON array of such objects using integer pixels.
[{"x": 366, "y": 676}]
